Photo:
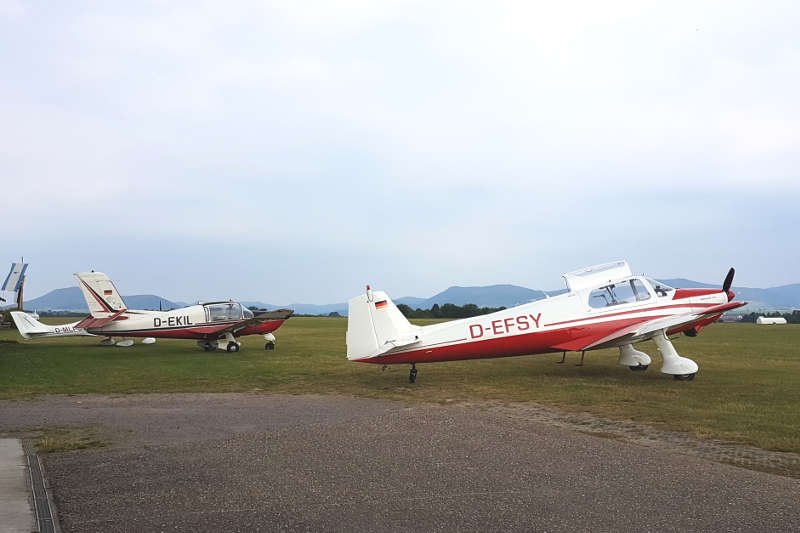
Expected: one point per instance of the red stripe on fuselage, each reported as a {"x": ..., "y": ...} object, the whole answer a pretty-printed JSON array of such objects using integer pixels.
[
  {"x": 200, "y": 331},
  {"x": 507, "y": 346},
  {"x": 680, "y": 294}
]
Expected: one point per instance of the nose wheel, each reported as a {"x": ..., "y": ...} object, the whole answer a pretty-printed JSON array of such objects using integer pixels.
[
  {"x": 233, "y": 346},
  {"x": 269, "y": 346},
  {"x": 412, "y": 376}
]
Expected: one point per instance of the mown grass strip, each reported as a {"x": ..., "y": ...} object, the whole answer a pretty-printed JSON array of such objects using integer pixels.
[{"x": 748, "y": 388}]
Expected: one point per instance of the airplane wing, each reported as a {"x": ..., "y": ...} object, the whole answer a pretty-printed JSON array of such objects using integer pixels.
[
  {"x": 266, "y": 316},
  {"x": 647, "y": 329}
]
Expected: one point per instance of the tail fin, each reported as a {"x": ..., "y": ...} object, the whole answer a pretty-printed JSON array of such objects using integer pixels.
[
  {"x": 28, "y": 327},
  {"x": 375, "y": 325},
  {"x": 100, "y": 293}
]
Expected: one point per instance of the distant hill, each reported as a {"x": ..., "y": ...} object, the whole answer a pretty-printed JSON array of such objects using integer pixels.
[
  {"x": 489, "y": 296},
  {"x": 775, "y": 298},
  {"x": 71, "y": 299},
  {"x": 412, "y": 301},
  {"x": 303, "y": 309}
]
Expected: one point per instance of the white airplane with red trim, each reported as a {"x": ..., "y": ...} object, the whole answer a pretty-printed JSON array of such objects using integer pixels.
[
  {"x": 30, "y": 328},
  {"x": 214, "y": 325},
  {"x": 606, "y": 306}
]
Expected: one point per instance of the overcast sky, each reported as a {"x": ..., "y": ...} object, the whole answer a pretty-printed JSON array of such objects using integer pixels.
[{"x": 294, "y": 151}]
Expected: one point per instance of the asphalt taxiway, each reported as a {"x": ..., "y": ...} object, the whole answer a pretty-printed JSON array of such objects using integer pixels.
[{"x": 248, "y": 462}]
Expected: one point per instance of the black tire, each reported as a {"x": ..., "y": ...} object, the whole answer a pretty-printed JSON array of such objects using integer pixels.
[
  {"x": 232, "y": 347},
  {"x": 412, "y": 376},
  {"x": 639, "y": 368},
  {"x": 685, "y": 377},
  {"x": 269, "y": 346}
]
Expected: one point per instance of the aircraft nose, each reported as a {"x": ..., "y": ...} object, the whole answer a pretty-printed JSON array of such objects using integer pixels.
[{"x": 731, "y": 295}]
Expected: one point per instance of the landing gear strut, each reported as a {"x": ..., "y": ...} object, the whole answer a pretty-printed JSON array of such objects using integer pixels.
[
  {"x": 412, "y": 376},
  {"x": 231, "y": 346},
  {"x": 684, "y": 369},
  {"x": 270, "y": 344},
  {"x": 583, "y": 353},
  {"x": 633, "y": 359},
  {"x": 563, "y": 356}
]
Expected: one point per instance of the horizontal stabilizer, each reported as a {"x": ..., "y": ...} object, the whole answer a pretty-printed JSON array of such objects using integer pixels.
[{"x": 92, "y": 322}]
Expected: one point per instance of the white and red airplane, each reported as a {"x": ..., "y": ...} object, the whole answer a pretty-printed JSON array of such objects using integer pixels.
[
  {"x": 30, "y": 328},
  {"x": 212, "y": 324},
  {"x": 606, "y": 306}
]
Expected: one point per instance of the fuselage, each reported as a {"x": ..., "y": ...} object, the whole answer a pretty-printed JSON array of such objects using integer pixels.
[
  {"x": 559, "y": 323},
  {"x": 193, "y": 322}
]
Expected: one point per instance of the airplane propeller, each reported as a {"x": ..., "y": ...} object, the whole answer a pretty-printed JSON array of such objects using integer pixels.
[{"x": 726, "y": 285}]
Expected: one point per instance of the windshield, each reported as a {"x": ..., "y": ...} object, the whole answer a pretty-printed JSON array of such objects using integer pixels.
[
  {"x": 225, "y": 311},
  {"x": 661, "y": 289},
  {"x": 624, "y": 292}
]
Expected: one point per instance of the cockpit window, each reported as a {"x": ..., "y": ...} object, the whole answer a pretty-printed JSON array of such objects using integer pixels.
[
  {"x": 247, "y": 313},
  {"x": 624, "y": 292},
  {"x": 661, "y": 289},
  {"x": 224, "y": 311}
]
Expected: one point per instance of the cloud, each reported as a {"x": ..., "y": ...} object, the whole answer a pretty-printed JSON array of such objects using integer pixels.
[{"x": 457, "y": 140}]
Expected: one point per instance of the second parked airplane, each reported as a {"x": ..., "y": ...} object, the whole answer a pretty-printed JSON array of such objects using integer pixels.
[{"x": 214, "y": 325}]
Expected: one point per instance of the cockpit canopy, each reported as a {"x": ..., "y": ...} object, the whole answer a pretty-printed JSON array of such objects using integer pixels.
[
  {"x": 218, "y": 311},
  {"x": 632, "y": 290},
  {"x": 661, "y": 289}
]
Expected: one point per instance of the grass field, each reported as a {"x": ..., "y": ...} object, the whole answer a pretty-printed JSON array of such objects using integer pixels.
[{"x": 747, "y": 390}]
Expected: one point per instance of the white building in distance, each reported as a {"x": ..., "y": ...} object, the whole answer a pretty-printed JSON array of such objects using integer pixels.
[{"x": 770, "y": 320}]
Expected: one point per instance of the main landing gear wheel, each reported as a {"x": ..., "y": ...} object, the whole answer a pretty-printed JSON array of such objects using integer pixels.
[
  {"x": 639, "y": 368},
  {"x": 269, "y": 346},
  {"x": 685, "y": 377},
  {"x": 208, "y": 347},
  {"x": 412, "y": 376},
  {"x": 232, "y": 346}
]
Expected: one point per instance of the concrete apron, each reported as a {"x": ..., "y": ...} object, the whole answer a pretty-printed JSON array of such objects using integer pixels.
[{"x": 16, "y": 514}]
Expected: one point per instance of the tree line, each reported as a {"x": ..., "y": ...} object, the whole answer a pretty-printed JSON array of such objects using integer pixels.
[
  {"x": 791, "y": 318},
  {"x": 447, "y": 311}
]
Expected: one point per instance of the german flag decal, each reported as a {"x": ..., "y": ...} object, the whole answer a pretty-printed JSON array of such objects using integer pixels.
[
  {"x": 108, "y": 292},
  {"x": 380, "y": 305}
]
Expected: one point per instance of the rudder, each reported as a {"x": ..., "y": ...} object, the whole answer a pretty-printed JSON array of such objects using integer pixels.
[
  {"x": 375, "y": 325},
  {"x": 100, "y": 294}
]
